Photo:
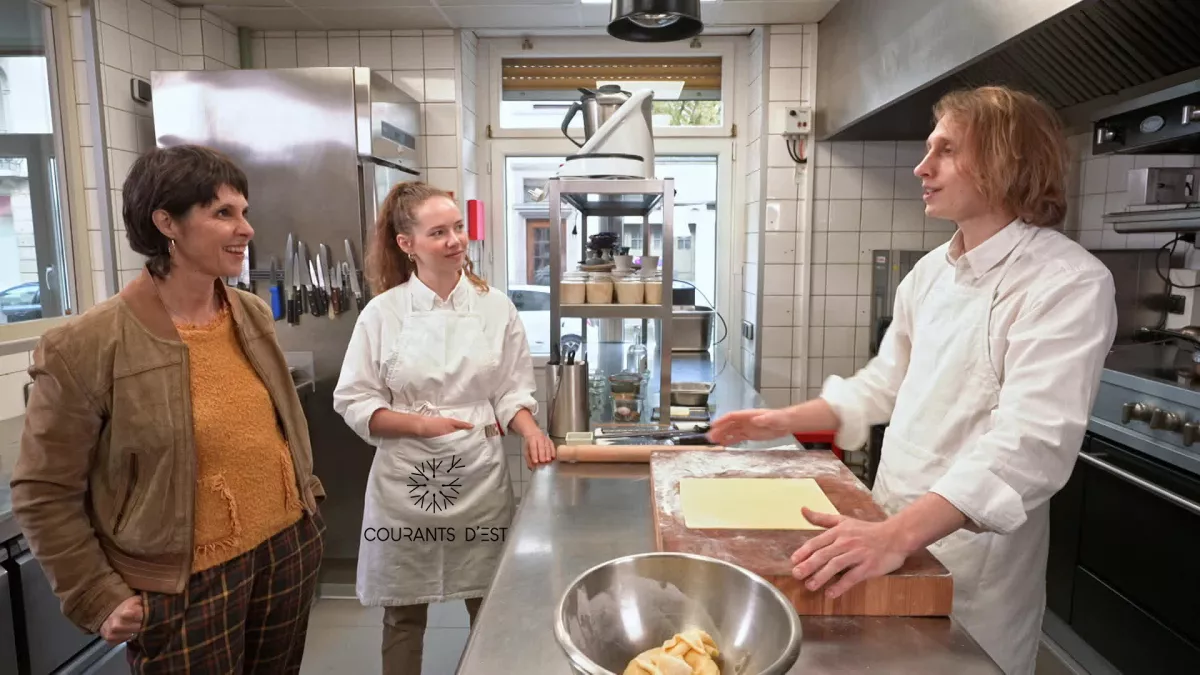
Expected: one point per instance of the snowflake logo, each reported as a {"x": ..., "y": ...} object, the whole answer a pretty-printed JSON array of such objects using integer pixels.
[{"x": 431, "y": 485}]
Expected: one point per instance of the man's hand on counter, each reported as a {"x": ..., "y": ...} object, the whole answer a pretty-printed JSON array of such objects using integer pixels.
[
  {"x": 539, "y": 449},
  {"x": 861, "y": 549},
  {"x": 763, "y": 425},
  {"x": 865, "y": 550}
]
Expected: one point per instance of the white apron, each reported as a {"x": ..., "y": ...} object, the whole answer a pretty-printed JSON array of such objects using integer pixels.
[
  {"x": 437, "y": 510},
  {"x": 942, "y": 407}
]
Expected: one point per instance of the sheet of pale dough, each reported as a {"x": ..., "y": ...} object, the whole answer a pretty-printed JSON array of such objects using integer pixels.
[{"x": 751, "y": 503}]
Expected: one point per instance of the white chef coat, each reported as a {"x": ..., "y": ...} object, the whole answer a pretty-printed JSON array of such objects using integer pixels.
[
  {"x": 466, "y": 358},
  {"x": 987, "y": 375}
]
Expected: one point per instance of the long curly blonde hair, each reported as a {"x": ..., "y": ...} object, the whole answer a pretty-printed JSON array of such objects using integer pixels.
[
  {"x": 1017, "y": 149},
  {"x": 386, "y": 265}
]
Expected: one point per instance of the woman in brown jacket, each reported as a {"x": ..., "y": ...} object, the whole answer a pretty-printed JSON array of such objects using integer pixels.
[{"x": 165, "y": 476}]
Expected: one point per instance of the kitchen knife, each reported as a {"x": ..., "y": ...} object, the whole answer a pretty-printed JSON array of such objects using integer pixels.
[
  {"x": 326, "y": 280},
  {"x": 299, "y": 288},
  {"x": 314, "y": 291},
  {"x": 345, "y": 271},
  {"x": 354, "y": 285},
  {"x": 289, "y": 279},
  {"x": 319, "y": 281},
  {"x": 335, "y": 291},
  {"x": 306, "y": 290},
  {"x": 276, "y": 292}
]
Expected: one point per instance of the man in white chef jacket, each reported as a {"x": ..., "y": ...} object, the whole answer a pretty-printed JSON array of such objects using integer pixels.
[{"x": 986, "y": 377}]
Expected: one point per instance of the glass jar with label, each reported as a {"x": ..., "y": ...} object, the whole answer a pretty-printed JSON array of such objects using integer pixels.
[
  {"x": 599, "y": 288},
  {"x": 654, "y": 289},
  {"x": 631, "y": 289},
  {"x": 573, "y": 290}
]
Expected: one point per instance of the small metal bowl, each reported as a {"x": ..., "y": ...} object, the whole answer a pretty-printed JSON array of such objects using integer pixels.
[{"x": 621, "y": 608}]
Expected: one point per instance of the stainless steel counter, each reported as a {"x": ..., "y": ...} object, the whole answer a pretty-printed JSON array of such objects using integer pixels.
[{"x": 575, "y": 516}]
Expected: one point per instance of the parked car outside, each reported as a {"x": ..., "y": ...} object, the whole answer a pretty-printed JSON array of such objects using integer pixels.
[{"x": 22, "y": 302}]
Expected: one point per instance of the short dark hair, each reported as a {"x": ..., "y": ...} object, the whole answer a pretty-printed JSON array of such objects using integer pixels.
[{"x": 172, "y": 179}]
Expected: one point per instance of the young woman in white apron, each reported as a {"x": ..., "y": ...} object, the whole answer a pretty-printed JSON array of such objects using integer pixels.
[
  {"x": 438, "y": 366},
  {"x": 987, "y": 376}
]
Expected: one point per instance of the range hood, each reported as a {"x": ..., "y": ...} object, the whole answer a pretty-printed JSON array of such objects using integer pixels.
[{"x": 882, "y": 64}]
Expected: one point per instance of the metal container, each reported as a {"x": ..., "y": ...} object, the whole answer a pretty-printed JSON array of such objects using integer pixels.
[
  {"x": 692, "y": 329},
  {"x": 691, "y": 394},
  {"x": 623, "y": 607},
  {"x": 569, "y": 408}
]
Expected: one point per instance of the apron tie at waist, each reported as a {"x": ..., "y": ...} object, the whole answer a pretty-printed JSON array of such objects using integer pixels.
[{"x": 428, "y": 409}]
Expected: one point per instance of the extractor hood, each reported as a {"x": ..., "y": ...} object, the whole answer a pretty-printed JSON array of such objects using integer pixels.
[{"x": 882, "y": 64}]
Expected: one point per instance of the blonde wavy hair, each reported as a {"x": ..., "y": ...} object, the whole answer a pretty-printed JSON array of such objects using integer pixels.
[
  {"x": 1018, "y": 153},
  {"x": 386, "y": 265}
]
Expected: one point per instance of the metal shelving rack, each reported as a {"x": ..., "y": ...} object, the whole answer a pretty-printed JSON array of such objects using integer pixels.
[{"x": 615, "y": 198}]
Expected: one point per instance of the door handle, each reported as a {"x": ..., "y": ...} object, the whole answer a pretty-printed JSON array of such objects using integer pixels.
[{"x": 1181, "y": 502}]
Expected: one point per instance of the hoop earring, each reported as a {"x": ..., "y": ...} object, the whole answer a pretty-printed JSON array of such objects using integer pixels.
[{"x": 412, "y": 259}]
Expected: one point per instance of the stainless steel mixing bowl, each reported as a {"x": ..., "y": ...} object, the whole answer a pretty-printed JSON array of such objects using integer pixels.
[{"x": 620, "y": 608}]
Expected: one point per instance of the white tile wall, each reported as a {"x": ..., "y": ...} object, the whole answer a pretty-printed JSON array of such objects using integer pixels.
[
  {"x": 866, "y": 198},
  {"x": 787, "y": 243},
  {"x": 135, "y": 38},
  {"x": 760, "y": 181},
  {"x": 422, "y": 64}
]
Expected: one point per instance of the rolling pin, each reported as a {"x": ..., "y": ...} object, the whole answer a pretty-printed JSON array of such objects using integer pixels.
[{"x": 620, "y": 453}]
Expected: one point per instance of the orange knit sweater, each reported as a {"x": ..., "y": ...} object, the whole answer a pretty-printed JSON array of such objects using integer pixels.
[{"x": 245, "y": 482}]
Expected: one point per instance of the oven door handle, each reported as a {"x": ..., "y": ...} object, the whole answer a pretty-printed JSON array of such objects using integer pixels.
[{"x": 1144, "y": 484}]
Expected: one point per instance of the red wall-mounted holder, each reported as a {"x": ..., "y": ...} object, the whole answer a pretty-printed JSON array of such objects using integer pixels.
[{"x": 475, "y": 226}]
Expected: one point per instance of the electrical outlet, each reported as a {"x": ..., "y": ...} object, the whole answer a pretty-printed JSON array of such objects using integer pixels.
[
  {"x": 747, "y": 330},
  {"x": 797, "y": 121}
]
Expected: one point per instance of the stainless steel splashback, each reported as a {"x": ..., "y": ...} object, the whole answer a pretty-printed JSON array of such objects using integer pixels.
[
  {"x": 1140, "y": 290},
  {"x": 318, "y": 156}
]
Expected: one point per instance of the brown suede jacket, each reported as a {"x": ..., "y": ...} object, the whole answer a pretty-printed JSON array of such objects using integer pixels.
[{"x": 104, "y": 485}]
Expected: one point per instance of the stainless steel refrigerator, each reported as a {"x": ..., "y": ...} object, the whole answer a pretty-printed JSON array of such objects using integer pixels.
[{"x": 321, "y": 147}]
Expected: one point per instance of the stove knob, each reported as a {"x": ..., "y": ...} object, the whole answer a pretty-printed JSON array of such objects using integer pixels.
[
  {"x": 1167, "y": 421},
  {"x": 1136, "y": 411},
  {"x": 1191, "y": 433}
]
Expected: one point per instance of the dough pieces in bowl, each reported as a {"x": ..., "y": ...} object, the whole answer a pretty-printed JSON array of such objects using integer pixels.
[{"x": 691, "y": 652}]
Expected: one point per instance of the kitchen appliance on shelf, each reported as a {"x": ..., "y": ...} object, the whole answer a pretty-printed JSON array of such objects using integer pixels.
[
  {"x": 620, "y": 142},
  {"x": 321, "y": 148}
]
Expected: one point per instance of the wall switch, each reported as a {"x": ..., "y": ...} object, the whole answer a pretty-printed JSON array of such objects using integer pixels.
[
  {"x": 747, "y": 330},
  {"x": 797, "y": 121}
]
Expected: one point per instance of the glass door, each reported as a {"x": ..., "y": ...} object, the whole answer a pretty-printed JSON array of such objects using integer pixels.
[{"x": 34, "y": 275}]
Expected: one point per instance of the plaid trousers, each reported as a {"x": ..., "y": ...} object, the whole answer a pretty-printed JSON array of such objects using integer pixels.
[{"x": 248, "y": 615}]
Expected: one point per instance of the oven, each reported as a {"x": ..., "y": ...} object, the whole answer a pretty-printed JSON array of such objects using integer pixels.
[
  {"x": 1125, "y": 533},
  {"x": 35, "y": 637}
]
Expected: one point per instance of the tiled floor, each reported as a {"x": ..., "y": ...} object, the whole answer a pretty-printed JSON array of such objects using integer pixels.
[{"x": 344, "y": 639}]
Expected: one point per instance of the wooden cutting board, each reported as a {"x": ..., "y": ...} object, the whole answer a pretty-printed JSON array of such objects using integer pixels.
[{"x": 921, "y": 587}]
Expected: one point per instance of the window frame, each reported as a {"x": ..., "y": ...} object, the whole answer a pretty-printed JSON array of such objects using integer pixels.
[
  {"x": 23, "y": 336},
  {"x": 493, "y": 51}
]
